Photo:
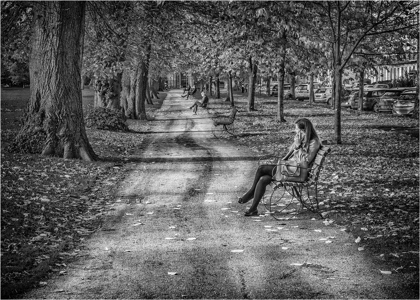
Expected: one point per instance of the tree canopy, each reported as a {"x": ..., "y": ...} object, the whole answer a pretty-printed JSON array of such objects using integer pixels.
[{"x": 129, "y": 44}]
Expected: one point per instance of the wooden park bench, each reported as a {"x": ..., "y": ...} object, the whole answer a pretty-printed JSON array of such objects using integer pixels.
[
  {"x": 290, "y": 198},
  {"x": 224, "y": 126}
]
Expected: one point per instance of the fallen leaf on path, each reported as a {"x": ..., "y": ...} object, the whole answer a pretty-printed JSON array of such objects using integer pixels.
[
  {"x": 296, "y": 264},
  {"x": 172, "y": 273},
  {"x": 137, "y": 224},
  {"x": 361, "y": 248},
  {"x": 237, "y": 251},
  {"x": 191, "y": 239},
  {"x": 318, "y": 230},
  {"x": 386, "y": 272},
  {"x": 358, "y": 240},
  {"x": 150, "y": 213},
  {"x": 284, "y": 248}
]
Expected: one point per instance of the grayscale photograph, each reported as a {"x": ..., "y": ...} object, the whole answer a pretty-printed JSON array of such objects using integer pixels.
[{"x": 218, "y": 149}]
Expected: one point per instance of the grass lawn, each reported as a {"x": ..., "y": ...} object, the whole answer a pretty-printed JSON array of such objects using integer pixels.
[{"x": 370, "y": 183}]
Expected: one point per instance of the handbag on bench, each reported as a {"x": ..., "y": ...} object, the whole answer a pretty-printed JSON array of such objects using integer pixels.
[{"x": 291, "y": 170}]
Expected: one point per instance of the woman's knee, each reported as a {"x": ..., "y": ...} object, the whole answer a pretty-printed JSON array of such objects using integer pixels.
[{"x": 265, "y": 180}]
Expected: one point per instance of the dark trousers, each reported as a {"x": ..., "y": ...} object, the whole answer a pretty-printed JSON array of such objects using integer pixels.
[{"x": 263, "y": 177}]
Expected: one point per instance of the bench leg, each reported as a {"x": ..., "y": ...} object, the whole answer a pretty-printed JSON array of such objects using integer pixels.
[
  {"x": 287, "y": 201},
  {"x": 308, "y": 197},
  {"x": 223, "y": 130},
  {"x": 282, "y": 205}
]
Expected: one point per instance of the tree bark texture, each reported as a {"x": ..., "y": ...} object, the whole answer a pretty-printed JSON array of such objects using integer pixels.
[
  {"x": 280, "y": 77},
  {"x": 416, "y": 107},
  {"x": 140, "y": 96},
  {"x": 55, "y": 104},
  {"x": 108, "y": 92},
  {"x": 280, "y": 94},
  {"x": 361, "y": 90},
  {"x": 293, "y": 84},
  {"x": 211, "y": 86},
  {"x": 141, "y": 89},
  {"x": 311, "y": 89},
  {"x": 125, "y": 92},
  {"x": 253, "y": 68},
  {"x": 337, "y": 76},
  {"x": 230, "y": 89},
  {"x": 217, "y": 87}
]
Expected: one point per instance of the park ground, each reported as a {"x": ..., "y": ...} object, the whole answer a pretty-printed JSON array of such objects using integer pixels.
[{"x": 57, "y": 213}]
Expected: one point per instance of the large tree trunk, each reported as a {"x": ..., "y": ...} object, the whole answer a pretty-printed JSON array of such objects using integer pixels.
[
  {"x": 142, "y": 75},
  {"x": 140, "y": 112},
  {"x": 251, "y": 87},
  {"x": 148, "y": 93},
  {"x": 267, "y": 86},
  {"x": 54, "y": 114}
]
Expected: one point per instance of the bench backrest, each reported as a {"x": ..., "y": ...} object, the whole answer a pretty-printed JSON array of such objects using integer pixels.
[
  {"x": 233, "y": 114},
  {"x": 318, "y": 163}
]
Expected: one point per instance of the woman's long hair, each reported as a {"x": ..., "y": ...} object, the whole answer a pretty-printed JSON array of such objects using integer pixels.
[{"x": 310, "y": 133}]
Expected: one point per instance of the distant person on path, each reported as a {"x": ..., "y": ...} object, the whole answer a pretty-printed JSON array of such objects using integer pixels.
[
  {"x": 187, "y": 89},
  {"x": 190, "y": 91},
  {"x": 203, "y": 103},
  {"x": 304, "y": 148}
]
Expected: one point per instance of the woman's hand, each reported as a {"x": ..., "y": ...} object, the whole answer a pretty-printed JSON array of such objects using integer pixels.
[{"x": 299, "y": 137}]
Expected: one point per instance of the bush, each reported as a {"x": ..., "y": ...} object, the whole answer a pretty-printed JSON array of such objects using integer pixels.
[{"x": 106, "y": 119}]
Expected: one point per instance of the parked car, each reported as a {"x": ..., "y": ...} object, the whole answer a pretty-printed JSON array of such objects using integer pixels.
[
  {"x": 386, "y": 101},
  {"x": 405, "y": 103},
  {"x": 302, "y": 90},
  {"x": 370, "y": 99},
  {"x": 287, "y": 91},
  {"x": 323, "y": 94}
]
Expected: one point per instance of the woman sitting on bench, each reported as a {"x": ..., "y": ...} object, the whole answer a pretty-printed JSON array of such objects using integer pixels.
[
  {"x": 304, "y": 148},
  {"x": 203, "y": 103}
]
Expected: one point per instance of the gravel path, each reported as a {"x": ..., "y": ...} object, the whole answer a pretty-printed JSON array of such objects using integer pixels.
[{"x": 177, "y": 231}]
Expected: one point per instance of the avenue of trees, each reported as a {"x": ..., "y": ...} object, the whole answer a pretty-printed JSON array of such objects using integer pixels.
[{"x": 127, "y": 47}]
